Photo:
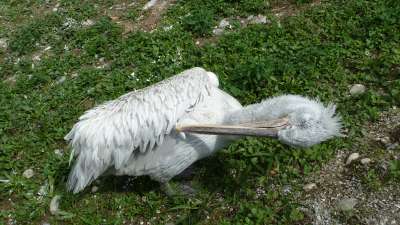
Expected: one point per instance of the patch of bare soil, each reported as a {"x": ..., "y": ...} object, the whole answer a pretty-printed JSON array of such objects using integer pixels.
[
  {"x": 352, "y": 194},
  {"x": 147, "y": 20},
  {"x": 117, "y": 12},
  {"x": 153, "y": 17},
  {"x": 35, "y": 11},
  {"x": 284, "y": 9}
]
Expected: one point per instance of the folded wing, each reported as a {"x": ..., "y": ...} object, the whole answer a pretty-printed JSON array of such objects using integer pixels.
[{"x": 109, "y": 134}]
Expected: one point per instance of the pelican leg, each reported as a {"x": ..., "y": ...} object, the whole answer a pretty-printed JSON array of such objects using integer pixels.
[
  {"x": 187, "y": 174},
  {"x": 168, "y": 189},
  {"x": 178, "y": 190}
]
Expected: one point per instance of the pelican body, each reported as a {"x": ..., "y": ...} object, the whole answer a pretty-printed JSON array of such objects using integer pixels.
[{"x": 161, "y": 130}]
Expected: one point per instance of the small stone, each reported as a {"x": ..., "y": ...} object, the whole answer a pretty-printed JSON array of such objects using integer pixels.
[
  {"x": 309, "y": 187},
  {"x": 43, "y": 190},
  {"x": 45, "y": 223},
  {"x": 28, "y": 173},
  {"x": 54, "y": 204},
  {"x": 150, "y": 4},
  {"x": 55, "y": 9},
  {"x": 218, "y": 31},
  {"x": 260, "y": 19},
  {"x": 347, "y": 204},
  {"x": 87, "y": 23},
  {"x": 3, "y": 43},
  {"x": 94, "y": 189},
  {"x": 224, "y": 23},
  {"x": 59, "y": 152},
  {"x": 392, "y": 146},
  {"x": 365, "y": 161},
  {"x": 61, "y": 80},
  {"x": 357, "y": 89},
  {"x": 352, "y": 157},
  {"x": 384, "y": 140}
]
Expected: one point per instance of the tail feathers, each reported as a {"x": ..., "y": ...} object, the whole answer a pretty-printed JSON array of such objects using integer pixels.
[
  {"x": 93, "y": 154},
  {"x": 68, "y": 138},
  {"x": 84, "y": 171}
]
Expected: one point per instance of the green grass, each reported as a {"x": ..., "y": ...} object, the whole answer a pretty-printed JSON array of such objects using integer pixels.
[{"x": 320, "y": 53}]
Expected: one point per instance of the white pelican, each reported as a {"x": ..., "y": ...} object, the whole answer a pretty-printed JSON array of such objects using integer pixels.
[{"x": 161, "y": 130}]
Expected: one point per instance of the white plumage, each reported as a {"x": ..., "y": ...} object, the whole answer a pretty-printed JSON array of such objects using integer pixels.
[{"x": 134, "y": 134}]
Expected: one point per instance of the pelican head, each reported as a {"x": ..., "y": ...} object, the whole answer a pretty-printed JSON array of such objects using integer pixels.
[
  {"x": 310, "y": 126},
  {"x": 292, "y": 119}
]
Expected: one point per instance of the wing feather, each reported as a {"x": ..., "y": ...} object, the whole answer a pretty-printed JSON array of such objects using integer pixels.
[{"x": 110, "y": 133}]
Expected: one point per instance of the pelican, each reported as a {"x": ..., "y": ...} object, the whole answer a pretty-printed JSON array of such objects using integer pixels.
[{"x": 162, "y": 129}]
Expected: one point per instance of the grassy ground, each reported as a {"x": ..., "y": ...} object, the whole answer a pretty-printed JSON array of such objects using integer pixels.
[{"x": 55, "y": 64}]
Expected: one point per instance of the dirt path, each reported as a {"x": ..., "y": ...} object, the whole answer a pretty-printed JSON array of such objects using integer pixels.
[
  {"x": 364, "y": 185},
  {"x": 153, "y": 16}
]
